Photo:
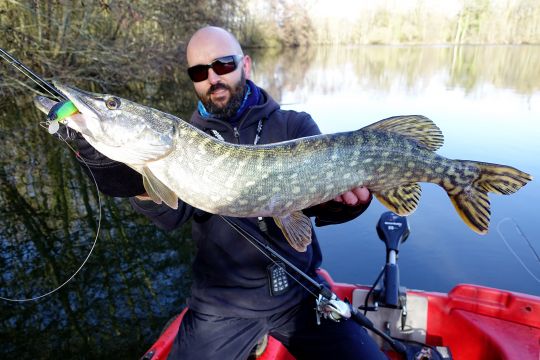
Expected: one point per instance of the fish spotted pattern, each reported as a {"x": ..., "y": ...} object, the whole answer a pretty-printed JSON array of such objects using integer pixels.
[{"x": 390, "y": 157}]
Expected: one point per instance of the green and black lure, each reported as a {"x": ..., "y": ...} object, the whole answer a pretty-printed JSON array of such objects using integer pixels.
[
  {"x": 58, "y": 113},
  {"x": 62, "y": 110}
]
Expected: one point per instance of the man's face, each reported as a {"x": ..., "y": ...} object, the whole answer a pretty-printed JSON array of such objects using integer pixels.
[{"x": 222, "y": 95}]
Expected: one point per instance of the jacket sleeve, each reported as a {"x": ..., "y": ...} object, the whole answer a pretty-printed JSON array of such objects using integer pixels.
[
  {"x": 113, "y": 178},
  {"x": 161, "y": 215},
  {"x": 331, "y": 212}
]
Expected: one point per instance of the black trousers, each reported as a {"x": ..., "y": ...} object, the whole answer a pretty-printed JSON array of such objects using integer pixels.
[{"x": 207, "y": 337}]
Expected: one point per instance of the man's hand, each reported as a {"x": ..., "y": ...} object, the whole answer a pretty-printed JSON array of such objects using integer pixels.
[
  {"x": 356, "y": 196},
  {"x": 112, "y": 177},
  {"x": 346, "y": 207}
]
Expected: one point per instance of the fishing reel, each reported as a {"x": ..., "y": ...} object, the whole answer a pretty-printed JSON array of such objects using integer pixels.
[{"x": 332, "y": 308}]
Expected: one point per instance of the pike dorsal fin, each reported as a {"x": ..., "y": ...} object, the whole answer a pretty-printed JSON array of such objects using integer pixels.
[
  {"x": 402, "y": 200},
  {"x": 297, "y": 229},
  {"x": 158, "y": 191},
  {"x": 416, "y": 127}
]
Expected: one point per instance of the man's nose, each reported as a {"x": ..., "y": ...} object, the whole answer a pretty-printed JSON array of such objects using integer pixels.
[{"x": 213, "y": 78}]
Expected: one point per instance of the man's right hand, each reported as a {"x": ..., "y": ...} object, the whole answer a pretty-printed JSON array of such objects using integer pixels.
[
  {"x": 113, "y": 178},
  {"x": 357, "y": 196}
]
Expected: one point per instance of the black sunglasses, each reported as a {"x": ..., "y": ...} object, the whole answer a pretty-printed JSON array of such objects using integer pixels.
[{"x": 221, "y": 66}]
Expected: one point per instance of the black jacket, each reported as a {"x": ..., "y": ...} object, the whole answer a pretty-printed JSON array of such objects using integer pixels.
[{"x": 229, "y": 274}]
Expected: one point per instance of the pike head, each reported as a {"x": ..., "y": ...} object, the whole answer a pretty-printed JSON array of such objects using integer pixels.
[{"x": 121, "y": 129}]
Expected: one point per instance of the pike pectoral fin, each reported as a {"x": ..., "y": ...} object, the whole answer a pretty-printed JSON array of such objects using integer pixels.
[
  {"x": 157, "y": 191},
  {"x": 402, "y": 200},
  {"x": 153, "y": 195},
  {"x": 297, "y": 229}
]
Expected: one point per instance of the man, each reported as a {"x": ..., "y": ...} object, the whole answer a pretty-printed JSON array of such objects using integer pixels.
[{"x": 231, "y": 306}]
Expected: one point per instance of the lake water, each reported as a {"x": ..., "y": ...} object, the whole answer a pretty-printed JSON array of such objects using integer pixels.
[{"x": 486, "y": 100}]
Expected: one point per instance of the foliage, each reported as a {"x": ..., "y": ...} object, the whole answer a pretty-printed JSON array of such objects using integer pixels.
[{"x": 107, "y": 44}]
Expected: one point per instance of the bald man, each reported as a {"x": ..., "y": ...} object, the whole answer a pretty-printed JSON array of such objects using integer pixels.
[{"x": 233, "y": 303}]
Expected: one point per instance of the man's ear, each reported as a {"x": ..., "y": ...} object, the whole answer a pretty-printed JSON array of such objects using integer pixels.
[{"x": 246, "y": 61}]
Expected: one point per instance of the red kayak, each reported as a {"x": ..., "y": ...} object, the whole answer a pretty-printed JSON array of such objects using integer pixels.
[
  {"x": 473, "y": 322},
  {"x": 470, "y": 322}
]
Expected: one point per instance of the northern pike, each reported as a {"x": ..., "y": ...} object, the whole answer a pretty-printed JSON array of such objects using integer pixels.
[{"x": 389, "y": 157}]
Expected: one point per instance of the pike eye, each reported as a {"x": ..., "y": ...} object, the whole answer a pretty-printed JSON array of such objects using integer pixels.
[{"x": 112, "y": 103}]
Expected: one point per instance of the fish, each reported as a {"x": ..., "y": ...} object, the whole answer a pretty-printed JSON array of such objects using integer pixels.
[{"x": 390, "y": 157}]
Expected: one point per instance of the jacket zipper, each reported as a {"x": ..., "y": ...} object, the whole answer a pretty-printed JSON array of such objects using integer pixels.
[{"x": 236, "y": 135}]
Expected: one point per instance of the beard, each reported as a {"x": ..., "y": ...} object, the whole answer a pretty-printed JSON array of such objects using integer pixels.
[{"x": 230, "y": 108}]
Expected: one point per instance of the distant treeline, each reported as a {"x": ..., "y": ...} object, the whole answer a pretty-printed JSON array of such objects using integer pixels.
[
  {"x": 473, "y": 22},
  {"x": 108, "y": 43}
]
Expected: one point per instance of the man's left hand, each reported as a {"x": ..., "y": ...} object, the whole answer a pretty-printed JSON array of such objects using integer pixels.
[{"x": 356, "y": 196}]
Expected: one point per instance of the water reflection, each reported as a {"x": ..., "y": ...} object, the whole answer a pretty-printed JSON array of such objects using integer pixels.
[
  {"x": 135, "y": 280},
  {"x": 485, "y": 99},
  {"x": 329, "y": 70}
]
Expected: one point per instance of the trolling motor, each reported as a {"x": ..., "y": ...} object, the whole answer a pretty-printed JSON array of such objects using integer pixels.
[{"x": 392, "y": 230}]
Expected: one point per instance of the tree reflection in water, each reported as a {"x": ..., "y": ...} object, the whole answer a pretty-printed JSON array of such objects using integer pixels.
[{"x": 135, "y": 280}]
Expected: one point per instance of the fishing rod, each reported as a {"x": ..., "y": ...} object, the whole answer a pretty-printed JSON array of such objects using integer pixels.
[
  {"x": 61, "y": 110},
  {"x": 50, "y": 89},
  {"x": 328, "y": 304}
]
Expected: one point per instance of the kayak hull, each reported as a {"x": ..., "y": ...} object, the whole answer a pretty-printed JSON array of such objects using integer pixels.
[{"x": 474, "y": 322}]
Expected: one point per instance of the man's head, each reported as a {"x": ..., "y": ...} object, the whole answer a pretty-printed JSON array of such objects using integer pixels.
[{"x": 220, "y": 94}]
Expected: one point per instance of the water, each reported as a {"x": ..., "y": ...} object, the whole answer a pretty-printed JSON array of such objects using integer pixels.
[{"x": 486, "y": 100}]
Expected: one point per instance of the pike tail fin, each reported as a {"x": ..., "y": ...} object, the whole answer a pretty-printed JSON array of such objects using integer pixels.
[{"x": 472, "y": 202}]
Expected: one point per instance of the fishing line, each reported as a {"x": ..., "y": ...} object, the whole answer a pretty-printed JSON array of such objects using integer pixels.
[
  {"x": 520, "y": 232},
  {"x": 518, "y": 258},
  {"x": 89, "y": 253},
  {"x": 256, "y": 243}
]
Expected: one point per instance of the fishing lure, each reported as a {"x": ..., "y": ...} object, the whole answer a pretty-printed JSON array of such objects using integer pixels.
[
  {"x": 62, "y": 110},
  {"x": 58, "y": 113}
]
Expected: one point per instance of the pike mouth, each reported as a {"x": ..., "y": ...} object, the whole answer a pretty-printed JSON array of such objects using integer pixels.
[
  {"x": 80, "y": 98},
  {"x": 88, "y": 116}
]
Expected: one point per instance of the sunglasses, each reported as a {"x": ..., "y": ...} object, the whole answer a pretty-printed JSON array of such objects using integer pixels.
[{"x": 221, "y": 66}]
